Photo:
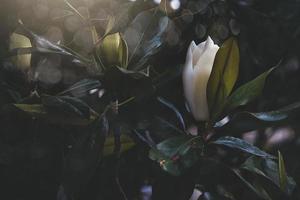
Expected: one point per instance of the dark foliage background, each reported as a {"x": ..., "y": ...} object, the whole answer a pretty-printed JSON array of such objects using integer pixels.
[{"x": 38, "y": 159}]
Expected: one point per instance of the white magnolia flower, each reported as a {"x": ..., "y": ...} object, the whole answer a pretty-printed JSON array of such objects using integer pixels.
[{"x": 197, "y": 69}]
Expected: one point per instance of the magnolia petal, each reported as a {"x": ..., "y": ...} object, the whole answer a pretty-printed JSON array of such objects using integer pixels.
[
  {"x": 192, "y": 46},
  {"x": 198, "y": 52},
  {"x": 188, "y": 83},
  {"x": 202, "y": 71}
]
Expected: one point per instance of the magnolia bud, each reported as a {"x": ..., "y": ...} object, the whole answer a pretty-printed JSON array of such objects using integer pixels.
[{"x": 197, "y": 69}]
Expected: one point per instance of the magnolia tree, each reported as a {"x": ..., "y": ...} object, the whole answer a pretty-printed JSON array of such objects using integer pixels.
[{"x": 151, "y": 100}]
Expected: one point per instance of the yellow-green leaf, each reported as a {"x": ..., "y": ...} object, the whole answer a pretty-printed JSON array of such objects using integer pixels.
[
  {"x": 282, "y": 172},
  {"x": 20, "y": 41},
  {"x": 40, "y": 112},
  {"x": 223, "y": 76},
  {"x": 33, "y": 109},
  {"x": 114, "y": 50},
  {"x": 109, "y": 145}
]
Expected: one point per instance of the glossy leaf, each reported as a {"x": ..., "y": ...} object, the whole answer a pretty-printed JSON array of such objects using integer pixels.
[
  {"x": 247, "y": 92},
  {"x": 175, "y": 145},
  {"x": 223, "y": 76},
  {"x": 42, "y": 45},
  {"x": 268, "y": 169},
  {"x": 177, "y": 154},
  {"x": 148, "y": 27},
  {"x": 165, "y": 163},
  {"x": 174, "y": 109},
  {"x": 113, "y": 50},
  {"x": 247, "y": 121},
  {"x": 241, "y": 145},
  {"x": 278, "y": 115},
  {"x": 81, "y": 88}
]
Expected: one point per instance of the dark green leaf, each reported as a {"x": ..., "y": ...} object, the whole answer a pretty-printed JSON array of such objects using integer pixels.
[
  {"x": 246, "y": 121},
  {"x": 277, "y": 115},
  {"x": 81, "y": 88},
  {"x": 241, "y": 145},
  {"x": 223, "y": 76},
  {"x": 42, "y": 45},
  {"x": 66, "y": 105},
  {"x": 174, "y": 109},
  {"x": 165, "y": 163},
  {"x": 177, "y": 154},
  {"x": 270, "y": 170},
  {"x": 127, "y": 84},
  {"x": 176, "y": 145},
  {"x": 257, "y": 189},
  {"x": 149, "y": 27},
  {"x": 247, "y": 92}
]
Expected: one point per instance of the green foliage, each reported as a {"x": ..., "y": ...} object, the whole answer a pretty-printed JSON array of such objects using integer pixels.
[
  {"x": 271, "y": 171},
  {"x": 119, "y": 95},
  {"x": 109, "y": 145},
  {"x": 241, "y": 145},
  {"x": 223, "y": 76},
  {"x": 247, "y": 121},
  {"x": 177, "y": 154},
  {"x": 113, "y": 51},
  {"x": 60, "y": 110},
  {"x": 247, "y": 92},
  {"x": 283, "y": 178}
]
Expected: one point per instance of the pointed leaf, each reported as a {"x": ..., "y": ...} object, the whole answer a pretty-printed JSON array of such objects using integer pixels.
[
  {"x": 81, "y": 88},
  {"x": 144, "y": 37},
  {"x": 268, "y": 169},
  {"x": 42, "y": 45},
  {"x": 39, "y": 111},
  {"x": 174, "y": 109},
  {"x": 282, "y": 173},
  {"x": 110, "y": 25},
  {"x": 277, "y": 115},
  {"x": 223, "y": 76},
  {"x": 34, "y": 109},
  {"x": 247, "y": 92},
  {"x": 247, "y": 121},
  {"x": 242, "y": 145}
]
